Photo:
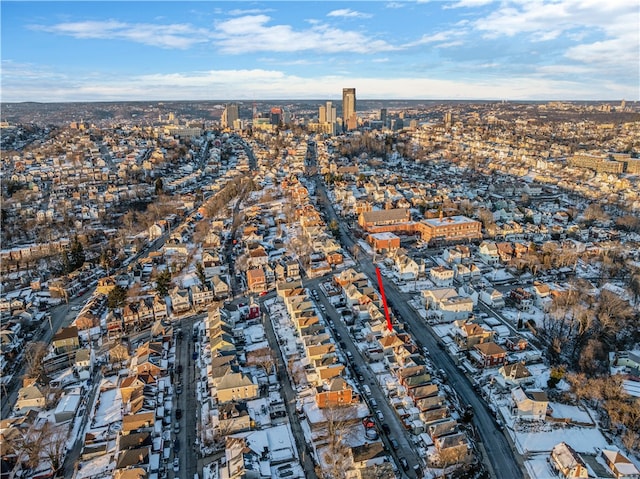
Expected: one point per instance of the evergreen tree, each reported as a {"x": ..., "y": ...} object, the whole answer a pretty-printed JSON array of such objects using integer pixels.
[
  {"x": 77, "y": 256},
  {"x": 116, "y": 297},
  {"x": 163, "y": 281},
  {"x": 200, "y": 273}
]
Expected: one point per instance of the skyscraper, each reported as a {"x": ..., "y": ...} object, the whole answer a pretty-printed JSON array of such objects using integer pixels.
[
  {"x": 349, "y": 118},
  {"x": 322, "y": 114},
  {"x": 229, "y": 115},
  {"x": 276, "y": 116}
]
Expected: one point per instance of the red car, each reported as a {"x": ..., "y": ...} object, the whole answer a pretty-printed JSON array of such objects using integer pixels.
[{"x": 264, "y": 293}]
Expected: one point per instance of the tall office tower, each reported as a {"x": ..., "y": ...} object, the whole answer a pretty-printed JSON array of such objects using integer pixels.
[
  {"x": 349, "y": 118},
  {"x": 275, "y": 116},
  {"x": 322, "y": 114},
  {"x": 229, "y": 115},
  {"x": 383, "y": 116},
  {"x": 331, "y": 112}
]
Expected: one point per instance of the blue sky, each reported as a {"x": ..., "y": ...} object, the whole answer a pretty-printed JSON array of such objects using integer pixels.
[{"x": 459, "y": 49}]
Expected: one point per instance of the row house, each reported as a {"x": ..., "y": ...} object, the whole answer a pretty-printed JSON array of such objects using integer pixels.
[
  {"x": 221, "y": 289},
  {"x": 201, "y": 295},
  {"x": 256, "y": 280},
  {"x": 180, "y": 300},
  {"x": 335, "y": 393}
]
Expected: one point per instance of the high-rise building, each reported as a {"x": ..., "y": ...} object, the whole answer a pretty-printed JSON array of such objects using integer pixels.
[
  {"x": 322, "y": 114},
  {"x": 276, "y": 116},
  {"x": 349, "y": 118},
  {"x": 383, "y": 116},
  {"x": 327, "y": 118},
  {"x": 229, "y": 115},
  {"x": 331, "y": 112}
]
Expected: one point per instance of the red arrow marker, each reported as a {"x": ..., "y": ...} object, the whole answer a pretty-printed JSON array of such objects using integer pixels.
[{"x": 384, "y": 300}]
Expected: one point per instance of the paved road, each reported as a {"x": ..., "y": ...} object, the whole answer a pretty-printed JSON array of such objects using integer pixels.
[
  {"x": 289, "y": 396},
  {"x": 503, "y": 461},
  {"x": 61, "y": 315},
  {"x": 397, "y": 430},
  {"x": 186, "y": 401}
]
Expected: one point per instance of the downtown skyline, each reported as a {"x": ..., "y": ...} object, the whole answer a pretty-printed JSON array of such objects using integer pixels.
[{"x": 460, "y": 50}]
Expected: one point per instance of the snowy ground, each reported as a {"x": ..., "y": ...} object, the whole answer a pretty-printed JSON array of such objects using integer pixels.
[{"x": 536, "y": 437}]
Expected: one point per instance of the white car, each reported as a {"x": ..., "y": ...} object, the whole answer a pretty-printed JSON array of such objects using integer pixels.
[{"x": 176, "y": 465}]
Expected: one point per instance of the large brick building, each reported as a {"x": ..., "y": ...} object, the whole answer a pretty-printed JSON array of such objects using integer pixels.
[
  {"x": 449, "y": 229},
  {"x": 378, "y": 221}
]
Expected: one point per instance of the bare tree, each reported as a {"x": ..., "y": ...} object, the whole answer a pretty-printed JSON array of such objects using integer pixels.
[
  {"x": 338, "y": 427},
  {"x": 119, "y": 354},
  {"x": 263, "y": 358},
  {"x": 594, "y": 212},
  {"x": 54, "y": 441},
  {"x": 631, "y": 440},
  {"x": 34, "y": 360}
]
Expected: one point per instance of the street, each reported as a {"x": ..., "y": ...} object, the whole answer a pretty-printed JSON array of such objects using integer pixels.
[
  {"x": 187, "y": 402},
  {"x": 501, "y": 457},
  {"x": 396, "y": 428},
  {"x": 289, "y": 396},
  {"x": 61, "y": 316}
]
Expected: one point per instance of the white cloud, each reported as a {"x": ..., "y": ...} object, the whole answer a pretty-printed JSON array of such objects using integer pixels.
[
  {"x": 515, "y": 17},
  {"x": 253, "y": 34},
  {"x": 347, "y": 12},
  {"x": 468, "y": 4},
  {"x": 178, "y": 36},
  {"x": 615, "y": 22},
  {"x": 261, "y": 83},
  {"x": 394, "y": 5},
  {"x": 446, "y": 37},
  {"x": 249, "y": 11}
]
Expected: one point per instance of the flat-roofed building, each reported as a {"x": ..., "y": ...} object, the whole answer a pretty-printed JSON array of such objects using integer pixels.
[{"x": 449, "y": 229}]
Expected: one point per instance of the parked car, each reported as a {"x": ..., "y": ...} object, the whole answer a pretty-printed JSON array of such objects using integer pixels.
[
  {"x": 178, "y": 413},
  {"x": 176, "y": 465},
  {"x": 404, "y": 463},
  {"x": 394, "y": 443}
]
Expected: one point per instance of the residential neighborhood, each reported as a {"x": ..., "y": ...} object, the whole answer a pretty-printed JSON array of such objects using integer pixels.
[{"x": 453, "y": 291}]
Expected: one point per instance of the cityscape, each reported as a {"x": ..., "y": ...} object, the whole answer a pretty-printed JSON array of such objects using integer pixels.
[{"x": 243, "y": 274}]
